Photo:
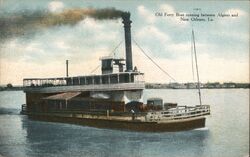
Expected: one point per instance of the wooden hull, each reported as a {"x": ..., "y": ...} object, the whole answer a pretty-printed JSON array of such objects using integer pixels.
[{"x": 178, "y": 125}]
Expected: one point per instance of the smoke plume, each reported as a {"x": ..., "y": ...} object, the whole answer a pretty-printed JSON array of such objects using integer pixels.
[{"x": 26, "y": 23}]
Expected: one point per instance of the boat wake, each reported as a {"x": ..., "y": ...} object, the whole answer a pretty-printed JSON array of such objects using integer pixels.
[
  {"x": 9, "y": 111},
  {"x": 202, "y": 129}
]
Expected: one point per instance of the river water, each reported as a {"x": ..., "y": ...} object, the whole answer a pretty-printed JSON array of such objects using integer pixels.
[{"x": 226, "y": 133}]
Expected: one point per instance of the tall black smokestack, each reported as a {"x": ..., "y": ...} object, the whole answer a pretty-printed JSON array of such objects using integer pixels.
[{"x": 127, "y": 24}]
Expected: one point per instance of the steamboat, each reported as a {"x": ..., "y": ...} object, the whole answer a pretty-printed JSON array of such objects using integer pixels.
[{"x": 110, "y": 100}]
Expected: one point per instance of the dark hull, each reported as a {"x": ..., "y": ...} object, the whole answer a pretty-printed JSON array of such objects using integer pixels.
[{"x": 180, "y": 125}]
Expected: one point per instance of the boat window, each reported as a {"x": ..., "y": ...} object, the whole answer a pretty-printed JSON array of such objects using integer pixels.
[
  {"x": 132, "y": 79},
  {"x": 122, "y": 78},
  {"x": 126, "y": 77},
  {"x": 69, "y": 81},
  {"x": 97, "y": 79},
  {"x": 89, "y": 80},
  {"x": 105, "y": 79},
  {"x": 82, "y": 81},
  {"x": 75, "y": 81},
  {"x": 107, "y": 66},
  {"x": 113, "y": 79}
]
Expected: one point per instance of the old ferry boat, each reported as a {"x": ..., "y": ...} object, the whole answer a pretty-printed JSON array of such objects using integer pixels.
[{"x": 111, "y": 100}]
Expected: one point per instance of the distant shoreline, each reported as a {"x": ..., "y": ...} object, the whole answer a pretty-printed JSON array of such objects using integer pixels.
[
  {"x": 11, "y": 89},
  {"x": 214, "y": 85},
  {"x": 201, "y": 88},
  {"x": 2, "y": 90}
]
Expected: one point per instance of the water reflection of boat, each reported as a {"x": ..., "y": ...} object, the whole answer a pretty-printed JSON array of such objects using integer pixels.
[
  {"x": 110, "y": 100},
  {"x": 68, "y": 140}
]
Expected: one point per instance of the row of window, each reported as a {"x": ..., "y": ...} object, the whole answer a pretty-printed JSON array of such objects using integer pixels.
[
  {"x": 88, "y": 80},
  {"x": 106, "y": 79}
]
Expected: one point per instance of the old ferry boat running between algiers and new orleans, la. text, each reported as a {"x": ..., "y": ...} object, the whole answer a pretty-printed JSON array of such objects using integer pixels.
[{"x": 111, "y": 100}]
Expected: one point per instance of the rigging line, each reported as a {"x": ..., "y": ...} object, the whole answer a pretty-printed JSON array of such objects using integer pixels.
[
  {"x": 153, "y": 61},
  {"x": 115, "y": 48},
  {"x": 109, "y": 55},
  {"x": 197, "y": 71},
  {"x": 192, "y": 58},
  {"x": 95, "y": 69}
]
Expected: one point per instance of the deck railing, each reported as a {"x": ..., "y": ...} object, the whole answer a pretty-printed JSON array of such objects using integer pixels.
[
  {"x": 181, "y": 112},
  {"x": 112, "y": 78},
  {"x": 24, "y": 109},
  {"x": 81, "y": 88}
]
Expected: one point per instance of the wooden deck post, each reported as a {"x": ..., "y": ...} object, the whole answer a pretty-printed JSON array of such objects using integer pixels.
[{"x": 108, "y": 114}]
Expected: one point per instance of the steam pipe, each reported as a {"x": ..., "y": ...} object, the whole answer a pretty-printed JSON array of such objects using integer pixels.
[{"x": 67, "y": 68}]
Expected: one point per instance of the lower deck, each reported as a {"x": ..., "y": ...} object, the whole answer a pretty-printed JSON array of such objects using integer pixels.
[
  {"x": 180, "y": 113},
  {"x": 127, "y": 125},
  {"x": 82, "y": 108}
]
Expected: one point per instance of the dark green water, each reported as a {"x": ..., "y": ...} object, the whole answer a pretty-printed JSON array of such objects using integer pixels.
[{"x": 226, "y": 133}]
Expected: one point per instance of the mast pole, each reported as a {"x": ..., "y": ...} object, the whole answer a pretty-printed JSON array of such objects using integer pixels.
[
  {"x": 192, "y": 57},
  {"x": 197, "y": 71}
]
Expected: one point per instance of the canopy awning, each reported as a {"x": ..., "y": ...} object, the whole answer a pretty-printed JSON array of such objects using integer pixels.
[{"x": 63, "y": 96}]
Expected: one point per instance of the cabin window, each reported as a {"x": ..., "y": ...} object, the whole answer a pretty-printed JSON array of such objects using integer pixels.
[
  {"x": 89, "y": 80},
  {"x": 82, "y": 80},
  {"x": 113, "y": 78},
  {"x": 132, "y": 78},
  {"x": 97, "y": 79},
  {"x": 69, "y": 81},
  {"x": 123, "y": 78},
  {"x": 75, "y": 81},
  {"x": 105, "y": 79},
  {"x": 107, "y": 64}
]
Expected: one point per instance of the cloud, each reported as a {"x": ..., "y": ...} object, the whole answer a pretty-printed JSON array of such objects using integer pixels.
[
  {"x": 232, "y": 35},
  {"x": 236, "y": 11},
  {"x": 166, "y": 8},
  {"x": 66, "y": 42},
  {"x": 179, "y": 49},
  {"x": 146, "y": 14},
  {"x": 55, "y": 6},
  {"x": 62, "y": 45},
  {"x": 152, "y": 32},
  {"x": 39, "y": 48},
  {"x": 154, "y": 41},
  {"x": 150, "y": 18},
  {"x": 210, "y": 69},
  {"x": 158, "y": 43},
  {"x": 238, "y": 21}
]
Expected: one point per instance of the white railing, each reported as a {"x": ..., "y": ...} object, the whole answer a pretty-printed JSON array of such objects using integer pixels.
[
  {"x": 104, "y": 79},
  {"x": 182, "y": 112},
  {"x": 79, "y": 88}
]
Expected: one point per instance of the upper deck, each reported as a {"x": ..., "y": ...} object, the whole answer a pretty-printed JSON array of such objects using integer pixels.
[
  {"x": 110, "y": 80},
  {"x": 105, "y": 82}
]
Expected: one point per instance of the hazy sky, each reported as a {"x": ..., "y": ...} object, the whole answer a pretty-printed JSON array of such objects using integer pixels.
[{"x": 34, "y": 42}]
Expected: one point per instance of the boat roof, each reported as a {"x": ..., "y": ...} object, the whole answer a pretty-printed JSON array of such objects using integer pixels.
[
  {"x": 63, "y": 96},
  {"x": 153, "y": 99},
  {"x": 63, "y": 78},
  {"x": 112, "y": 58}
]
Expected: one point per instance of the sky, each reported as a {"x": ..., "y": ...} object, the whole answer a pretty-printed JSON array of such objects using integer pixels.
[{"x": 36, "y": 37}]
